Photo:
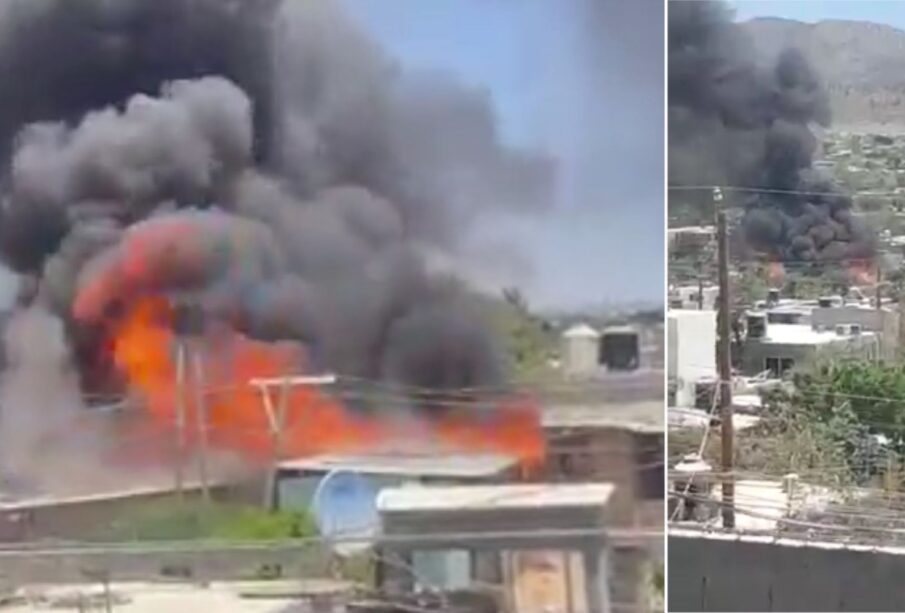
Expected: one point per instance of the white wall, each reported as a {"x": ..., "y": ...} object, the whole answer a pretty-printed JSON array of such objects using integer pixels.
[
  {"x": 692, "y": 350},
  {"x": 884, "y": 321}
]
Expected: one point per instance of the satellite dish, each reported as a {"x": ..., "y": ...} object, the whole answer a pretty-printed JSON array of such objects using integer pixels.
[{"x": 345, "y": 507}]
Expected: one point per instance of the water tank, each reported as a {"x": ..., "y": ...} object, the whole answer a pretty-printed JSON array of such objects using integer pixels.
[
  {"x": 580, "y": 350},
  {"x": 705, "y": 394},
  {"x": 856, "y": 329},
  {"x": 693, "y": 486},
  {"x": 842, "y": 330},
  {"x": 757, "y": 325},
  {"x": 620, "y": 349},
  {"x": 773, "y": 295}
]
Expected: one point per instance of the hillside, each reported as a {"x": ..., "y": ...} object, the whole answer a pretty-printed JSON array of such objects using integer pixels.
[{"x": 862, "y": 64}]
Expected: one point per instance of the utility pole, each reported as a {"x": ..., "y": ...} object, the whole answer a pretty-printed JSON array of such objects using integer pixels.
[
  {"x": 276, "y": 419},
  {"x": 180, "y": 417},
  {"x": 881, "y": 321},
  {"x": 699, "y": 266},
  {"x": 724, "y": 362},
  {"x": 879, "y": 291},
  {"x": 201, "y": 421}
]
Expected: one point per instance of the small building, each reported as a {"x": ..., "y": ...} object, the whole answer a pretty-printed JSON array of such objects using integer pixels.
[
  {"x": 691, "y": 297},
  {"x": 691, "y": 238},
  {"x": 546, "y": 543},
  {"x": 691, "y": 352},
  {"x": 775, "y": 349},
  {"x": 883, "y": 321},
  {"x": 621, "y": 443}
]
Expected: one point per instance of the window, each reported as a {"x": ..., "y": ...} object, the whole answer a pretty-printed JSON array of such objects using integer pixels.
[{"x": 778, "y": 366}]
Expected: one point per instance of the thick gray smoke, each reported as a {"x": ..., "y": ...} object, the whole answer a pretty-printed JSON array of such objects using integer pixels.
[
  {"x": 733, "y": 121},
  {"x": 312, "y": 172}
]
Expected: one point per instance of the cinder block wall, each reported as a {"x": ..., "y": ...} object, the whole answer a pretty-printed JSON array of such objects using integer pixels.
[{"x": 719, "y": 573}]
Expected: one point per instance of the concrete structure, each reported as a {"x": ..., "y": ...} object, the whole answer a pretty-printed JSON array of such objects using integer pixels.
[
  {"x": 691, "y": 351},
  {"x": 732, "y": 572},
  {"x": 619, "y": 443},
  {"x": 87, "y": 516},
  {"x": 884, "y": 322},
  {"x": 508, "y": 519},
  {"x": 580, "y": 351},
  {"x": 690, "y": 296},
  {"x": 691, "y": 238},
  {"x": 778, "y": 348}
]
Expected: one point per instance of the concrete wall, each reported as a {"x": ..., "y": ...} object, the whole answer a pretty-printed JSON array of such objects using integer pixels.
[
  {"x": 885, "y": 322},
  {"x": 865, "y": 346},
  {"x": 88, "y": 517},
  {"x": 692, "y": 350},
  {"x": 731, "y": 573}
]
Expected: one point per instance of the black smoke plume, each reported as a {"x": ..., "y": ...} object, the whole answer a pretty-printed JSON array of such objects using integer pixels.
[
  {"x": 278, "y": 129},
  {"x": 733, "y": 121}
]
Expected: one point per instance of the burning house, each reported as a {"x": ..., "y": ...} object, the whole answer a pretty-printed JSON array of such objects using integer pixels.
[{"x": 265, "y": 163}]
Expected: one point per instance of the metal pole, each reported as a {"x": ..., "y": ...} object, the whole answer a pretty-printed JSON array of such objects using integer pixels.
[
  {"x": 724, "y": 361},
  {"x": 201, "y": 422},
  {"x": 881, "y": 327},
  {"x": 700, "y": 285}
]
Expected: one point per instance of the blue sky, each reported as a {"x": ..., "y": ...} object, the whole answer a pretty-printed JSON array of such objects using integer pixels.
[
  {"x": 582, "y": 79},
  {"x": 890, "y": 12}
]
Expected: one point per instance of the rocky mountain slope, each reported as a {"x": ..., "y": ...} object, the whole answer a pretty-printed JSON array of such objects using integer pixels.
[{"x": 862, "y": 64}]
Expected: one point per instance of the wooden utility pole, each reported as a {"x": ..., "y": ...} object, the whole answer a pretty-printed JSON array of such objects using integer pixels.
[
  {"x": 881, "y": 320},
  {"x": 724, "y": 362},
  {"x": 201, "y": 421},
  {"x": 879, "y": 290},
  {"x": 180, "y": 417},
  {"x": 276, "y": 419},
  {"x": 699, "y": 266}
]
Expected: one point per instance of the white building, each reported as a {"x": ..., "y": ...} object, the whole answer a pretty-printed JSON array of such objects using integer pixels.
[
  {"x": 778, "y": 348},
  {"x": 691, "y": 351},
  {"x": 688, "y": 297},
  {"x": 884, "y": 322}
]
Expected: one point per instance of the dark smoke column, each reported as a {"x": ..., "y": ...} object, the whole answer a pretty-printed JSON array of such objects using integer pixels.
[
  {"x": 734, "y": 122},
  {"x": 264, "y": 159}
]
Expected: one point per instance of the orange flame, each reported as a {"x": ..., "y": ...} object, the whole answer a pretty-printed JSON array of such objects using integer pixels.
[
  {"x": 776, "y": 272},
  {"x": 175, "y": 253},
  {"x": 862, "y": 273},
  {"x": 236, "y": 419}
]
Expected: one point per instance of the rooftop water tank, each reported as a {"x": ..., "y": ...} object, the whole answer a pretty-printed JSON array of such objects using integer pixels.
[
  {"x": 620, "y": 348},
  {"x": 580, "y": 350}
]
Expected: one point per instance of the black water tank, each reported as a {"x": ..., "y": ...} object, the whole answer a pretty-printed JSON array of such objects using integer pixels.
[{"x": 620, "y": 350}]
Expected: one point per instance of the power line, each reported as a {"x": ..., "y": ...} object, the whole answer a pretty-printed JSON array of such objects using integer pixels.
[{"x": 789, "y": 192}]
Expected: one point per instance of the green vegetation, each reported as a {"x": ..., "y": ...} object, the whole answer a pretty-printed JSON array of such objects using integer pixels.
[
  {"x": 823, "y": 428},
  {"x": 172, "y": 520},
  {"x": 528, "y": 340}
]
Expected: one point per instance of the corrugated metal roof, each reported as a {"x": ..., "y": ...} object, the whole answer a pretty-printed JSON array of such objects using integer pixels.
[
  {"x": 642, "y": 417},
  {"x": 494, "y": 497},
  {"x": 422, "y": 465}
]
